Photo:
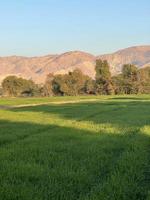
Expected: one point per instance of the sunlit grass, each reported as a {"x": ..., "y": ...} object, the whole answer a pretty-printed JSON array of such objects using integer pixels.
[{"x": 85, "y": 150}]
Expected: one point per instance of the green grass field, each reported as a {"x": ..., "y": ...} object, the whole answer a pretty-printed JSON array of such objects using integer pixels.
[{"x": 80, "y": 150}]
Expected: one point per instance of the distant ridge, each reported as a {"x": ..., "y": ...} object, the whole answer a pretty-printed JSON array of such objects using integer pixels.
[
  {"x": 36, "y": 68},
  {"x": 138, "y": 55}
]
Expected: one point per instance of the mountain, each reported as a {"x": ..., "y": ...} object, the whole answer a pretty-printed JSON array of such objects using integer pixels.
[
  {"x": 36, "y": 68},
  {"x": 139, "y": 55}
]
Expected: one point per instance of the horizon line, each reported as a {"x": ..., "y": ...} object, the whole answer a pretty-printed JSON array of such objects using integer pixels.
[{"x": 82, "y": 51}]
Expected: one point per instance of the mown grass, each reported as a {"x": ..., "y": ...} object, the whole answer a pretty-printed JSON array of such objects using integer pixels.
[
  {"x": 14, "y": 101},
  {"x": 76, "y": 151}
]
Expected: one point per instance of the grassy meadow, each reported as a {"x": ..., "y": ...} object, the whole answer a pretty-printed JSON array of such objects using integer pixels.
[{"x": 75, "y": 148}]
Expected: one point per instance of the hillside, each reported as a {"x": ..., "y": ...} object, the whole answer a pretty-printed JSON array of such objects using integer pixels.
[
  {"x": 139, "y": 56},
  {"x": 37, "y": 68}
]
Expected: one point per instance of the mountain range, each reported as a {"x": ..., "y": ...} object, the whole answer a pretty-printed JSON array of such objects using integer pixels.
[{"x": 37, "y": 68}]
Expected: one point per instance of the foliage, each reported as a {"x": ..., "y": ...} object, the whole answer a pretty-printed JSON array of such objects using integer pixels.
[
  {"x": 15, "y": 86},
  {"x": 118, "y": 83},
  {"x": 130, "y": 72},
  {"x": 89, "y": 87},
  {"x": 102, "y": 70},
  {"x": 47, "y": 89},
  {"x": 71, "y": 84},
  {"x": 1, "y": 91},
  {"x": 144, "y": 79},
  {"x": 132, "y": 80},
  {"x": 103, "y": 78}
]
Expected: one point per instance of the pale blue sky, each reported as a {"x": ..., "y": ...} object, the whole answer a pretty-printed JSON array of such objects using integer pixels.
[{"x": 40, "y": 27}]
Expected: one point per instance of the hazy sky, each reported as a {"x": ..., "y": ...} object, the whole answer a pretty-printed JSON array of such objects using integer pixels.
[{"x": 39, "y": 27}]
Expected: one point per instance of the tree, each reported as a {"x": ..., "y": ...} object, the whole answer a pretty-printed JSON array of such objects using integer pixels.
[
  {"x": 144, "y": 79},
  {"x": 102, "y": 70},
  {"x": 15, "y": 86},
  {"x": 48, "y": 86},
  {"x": 71, "y": 84},
  {"x": 12, "y": 86},
  {"x": 103, "y": 78},
  {"x": 89, "y": 87},
  {"x": 130, "y": 79},
  {"x": 130, "y": 72},
  {"x": 75, "y": 82},
  {"x": 118, "y": 82},
  {"x": 1, "y": 91},
  {"x": 57, "y": 85},
  {"x": 29, "y": 88}
]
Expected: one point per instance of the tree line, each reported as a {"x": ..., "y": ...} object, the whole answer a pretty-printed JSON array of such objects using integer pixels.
[{"x": 131, "y": 81}]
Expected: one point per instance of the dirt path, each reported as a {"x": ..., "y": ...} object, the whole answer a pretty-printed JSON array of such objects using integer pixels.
[
  {"x": 47, "y": 103},
  {"x": 4, "y": 107}
]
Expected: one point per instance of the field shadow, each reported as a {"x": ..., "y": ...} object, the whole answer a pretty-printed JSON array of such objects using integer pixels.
[
  {"x": 52, "y": 162},
  {"x": 133, "y": 113},
  {"x": 127, "y": 98}
]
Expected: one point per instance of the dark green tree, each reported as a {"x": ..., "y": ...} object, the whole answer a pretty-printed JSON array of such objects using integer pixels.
[
  {"x": 130, "y": 79},
  {"x": 103, "y": 78},
  {"x": 130, "y": 72},
  {"x": 118, "y": 83},
  {"x": 102, "y": 69},
  {"x": 47, "y": 89},
  {"x": 89, "y": 86},
  {"x": 144, "y": 79},
  {"x": 70, "y": 84},
  {"x": 15, "y": 86}
]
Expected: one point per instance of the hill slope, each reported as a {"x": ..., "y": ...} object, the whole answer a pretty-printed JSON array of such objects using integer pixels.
[
  {"x": 37, "y": 68},
  {"x": 139, "y": 56}
]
